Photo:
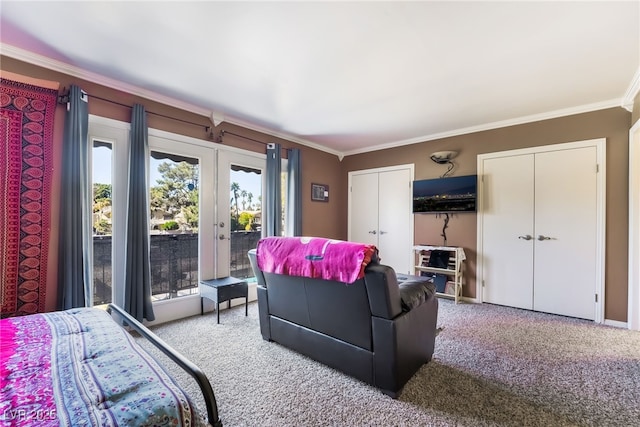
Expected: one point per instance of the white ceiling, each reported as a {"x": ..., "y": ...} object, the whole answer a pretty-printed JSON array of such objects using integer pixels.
[{"x": 346, "y": 76}]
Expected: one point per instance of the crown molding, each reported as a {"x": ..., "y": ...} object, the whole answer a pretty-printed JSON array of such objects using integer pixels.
[
  {"x": 632, "y": 92},
  {"x": 613, "y": 103},
  {"x": 80, "y": 73},
  {"x": 216, "y": 117},
  {"x": 219, "y": 117},
  {"x": 283, "y": 135}
]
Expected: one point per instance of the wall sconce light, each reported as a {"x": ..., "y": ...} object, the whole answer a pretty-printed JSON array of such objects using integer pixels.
[{"x": 442, "y": 157}]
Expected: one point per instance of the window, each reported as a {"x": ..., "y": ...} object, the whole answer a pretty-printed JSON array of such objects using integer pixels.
[
  {"x": 245, "y": 215},
  {"x": 102, "y": 209},
  {"x": 175, "y": 215}
]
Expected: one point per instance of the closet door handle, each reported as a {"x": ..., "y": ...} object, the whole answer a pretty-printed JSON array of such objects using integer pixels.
[
  {"x": 372, "y": 232},
  {"x": 383, "y": 232},
  {"x": 541, "y": 237},
  {"x": 527, "y": 237}
]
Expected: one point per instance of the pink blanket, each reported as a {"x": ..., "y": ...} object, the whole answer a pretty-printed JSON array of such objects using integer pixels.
[{"x": 314, "y": 257}]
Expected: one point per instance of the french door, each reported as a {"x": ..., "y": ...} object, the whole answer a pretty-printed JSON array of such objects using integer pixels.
[
  {"x": 240, "y": 189},
  {"x": 182, "y": 246},
  {"x": 205, "y": 214}
]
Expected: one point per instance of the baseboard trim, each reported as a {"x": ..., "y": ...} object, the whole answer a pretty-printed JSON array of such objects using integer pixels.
[
  {"x": 616, "y": 323},
  {"x": 607, "y": 322}
]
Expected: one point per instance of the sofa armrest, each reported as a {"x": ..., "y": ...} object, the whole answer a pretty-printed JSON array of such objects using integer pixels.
[
  {"x": 402, "y": 345},
  {"x": 263, "y": 297},
  {"x": 263, "y": 313},
  {"x": 383, "y": 291},
  {"x": 253, "y": 260}
]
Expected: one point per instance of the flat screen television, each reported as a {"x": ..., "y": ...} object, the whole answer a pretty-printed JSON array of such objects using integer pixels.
[{"x": 449, "y": 194}]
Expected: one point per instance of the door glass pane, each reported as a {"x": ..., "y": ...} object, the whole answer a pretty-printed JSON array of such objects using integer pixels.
[
  {"x": 102, "y": 222},
  {"x": 174, "y": 200},
  {"x": 246, "y": 217}
]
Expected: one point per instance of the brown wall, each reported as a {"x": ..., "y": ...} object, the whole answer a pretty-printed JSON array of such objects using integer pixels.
[
  {"x": 612, "y": 124},
  {"x": 319, "y": 218},
  {"x": 330, "y": 219}
]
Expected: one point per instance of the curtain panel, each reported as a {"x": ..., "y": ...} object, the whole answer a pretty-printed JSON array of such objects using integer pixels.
[
  {"x": 76, "y": 232},
  {"x": 137, "y": 286},
  {"x": 294, "y": 193},
  {"x": 273, "y": 198}
]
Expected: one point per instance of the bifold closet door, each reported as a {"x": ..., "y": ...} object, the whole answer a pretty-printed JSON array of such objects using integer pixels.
[
  {"x": 394, "y": 213},
  {"x": 380, "y": 214},
  {"x": 565, "y": 232},
  {"x": 363, "y": 226},
  {"x": 540, "y": 233},
  {"x": 508, "y": 230}
]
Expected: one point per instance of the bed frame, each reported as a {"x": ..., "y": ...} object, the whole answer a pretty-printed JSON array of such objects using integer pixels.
[{"x": 183, "y": 362}]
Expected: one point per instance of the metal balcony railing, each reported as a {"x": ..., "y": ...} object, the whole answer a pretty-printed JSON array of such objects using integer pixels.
[
  {"x": 241, "y": 242},
  {"x": 174, "y": 264},
  {"x": 102, "y": 272}
]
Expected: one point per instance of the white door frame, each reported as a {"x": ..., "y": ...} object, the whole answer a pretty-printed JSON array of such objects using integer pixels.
[
  {"x": 633, "y": 315},
  {"x": 600, "y": 206}
]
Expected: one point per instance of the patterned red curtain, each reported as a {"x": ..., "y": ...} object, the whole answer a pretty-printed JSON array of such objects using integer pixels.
[{"x": 26, "y": 123}]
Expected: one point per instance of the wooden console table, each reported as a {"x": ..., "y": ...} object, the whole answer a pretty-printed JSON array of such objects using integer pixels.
[{"x": 453, "y": 270}]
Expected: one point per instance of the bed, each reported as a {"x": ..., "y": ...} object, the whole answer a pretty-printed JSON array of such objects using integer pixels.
[{"x": 80, "y": 367}]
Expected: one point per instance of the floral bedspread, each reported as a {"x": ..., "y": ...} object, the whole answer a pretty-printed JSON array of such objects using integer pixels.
[
  {"x": 80, "y": 368},
  {"x": 314, "y": 257}
]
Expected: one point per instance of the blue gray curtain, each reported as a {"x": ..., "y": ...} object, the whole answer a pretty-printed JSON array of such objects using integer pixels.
[
  {"x": 76, "y": 233},
  {"x": 294, "y": 193},
  {"x": 137, "y": 285},
  {"x": 272, "y": 211}
]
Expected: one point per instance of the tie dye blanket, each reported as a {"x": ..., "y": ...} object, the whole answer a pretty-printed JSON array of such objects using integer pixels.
[
  {"x": 314, "y": 257},
  {"x": 79, "y": 368}
]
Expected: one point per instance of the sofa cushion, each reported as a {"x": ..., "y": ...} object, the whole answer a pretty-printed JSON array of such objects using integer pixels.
[{"x": 414, "y": 292}]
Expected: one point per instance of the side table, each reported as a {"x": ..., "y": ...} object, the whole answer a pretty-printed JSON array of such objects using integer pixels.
[{"x": 224, "y": 289}]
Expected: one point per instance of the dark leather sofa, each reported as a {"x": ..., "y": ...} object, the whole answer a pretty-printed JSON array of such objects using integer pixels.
[{"x": 376, "y": 329}]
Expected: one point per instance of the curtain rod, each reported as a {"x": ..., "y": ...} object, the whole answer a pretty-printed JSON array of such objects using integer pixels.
[
  {"x": 223, "y": 132},
  {"x": 64, "y": 98}
]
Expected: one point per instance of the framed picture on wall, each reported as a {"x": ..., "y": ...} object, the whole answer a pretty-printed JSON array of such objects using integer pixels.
[{"x": 319, "y": 192}]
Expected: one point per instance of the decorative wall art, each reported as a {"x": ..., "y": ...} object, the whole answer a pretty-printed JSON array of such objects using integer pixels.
[
  {"x": 26, "y": 122},
  {"x": 319, "y": 192}
]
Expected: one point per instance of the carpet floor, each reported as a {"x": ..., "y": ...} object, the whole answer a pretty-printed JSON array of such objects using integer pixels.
[{"x": 492, "y": 366}]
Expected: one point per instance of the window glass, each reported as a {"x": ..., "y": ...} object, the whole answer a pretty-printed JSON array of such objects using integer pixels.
[{"x": 102, "y": 219}]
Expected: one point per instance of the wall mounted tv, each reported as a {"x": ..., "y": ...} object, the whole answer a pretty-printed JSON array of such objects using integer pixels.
[{"x": 451, "y": 194}]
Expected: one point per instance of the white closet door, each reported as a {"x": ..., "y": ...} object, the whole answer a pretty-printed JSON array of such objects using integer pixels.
[
  {"x": 363, "y": 208},
  {"x": 395, "y": 213},
  {"x": 380, "y": 213},
  {"x": 565, "y": 217},
  {"x": 507, "y": 219}
]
